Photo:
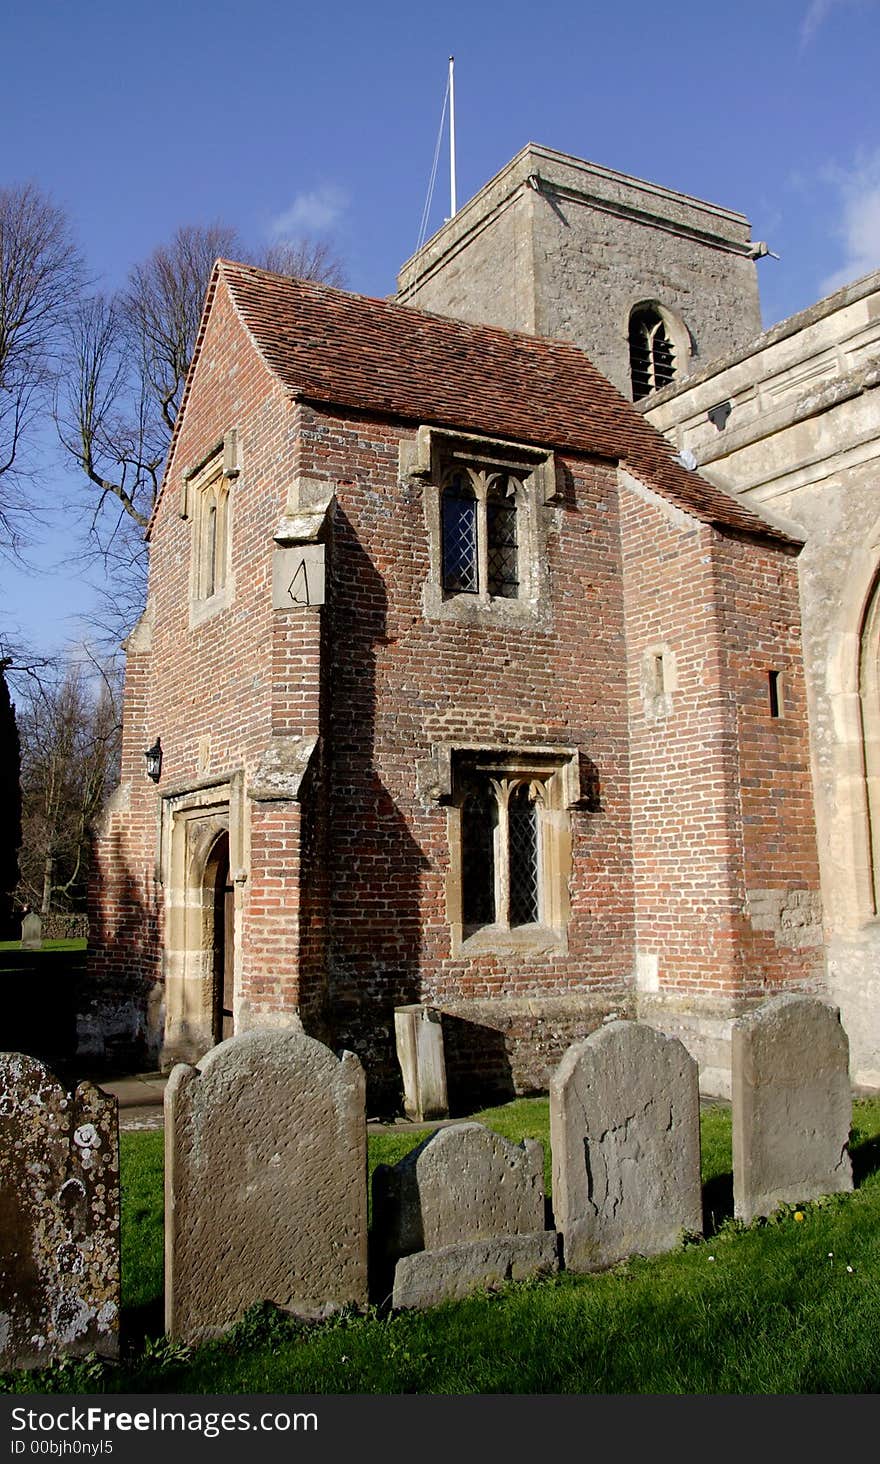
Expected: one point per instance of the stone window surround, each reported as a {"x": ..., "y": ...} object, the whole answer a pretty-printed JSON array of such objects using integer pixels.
[
  {"x": 557, "y": 772},
  {"x": 428, "y": 461},
  {"x": 207, "y": 484}
]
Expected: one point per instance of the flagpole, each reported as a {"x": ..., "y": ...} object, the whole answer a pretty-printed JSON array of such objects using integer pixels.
[{"x": 452, "y": 203}]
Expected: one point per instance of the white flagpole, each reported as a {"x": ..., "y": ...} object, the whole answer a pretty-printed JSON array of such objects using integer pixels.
[{"x": 452, "y": 205}]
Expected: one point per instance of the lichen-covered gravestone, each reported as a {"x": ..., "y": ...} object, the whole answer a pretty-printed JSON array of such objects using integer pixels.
[
  {"x": 463, "y": 1210},
  {"x": 59, "y": 1217},
  {"x": 265, "y": 1182},
  {"x": 792, "y": 1105},
  {"x": 625, "y": 1136}
]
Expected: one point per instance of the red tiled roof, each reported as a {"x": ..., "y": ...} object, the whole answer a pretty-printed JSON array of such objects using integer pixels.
[{"x": 329, "y": 346}]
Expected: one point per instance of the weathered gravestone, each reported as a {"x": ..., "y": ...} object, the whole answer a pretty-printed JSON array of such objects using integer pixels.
[
  {"x": 418, "y": 1032},
  {"x": 792, "y": 1105},
  {"x": 625, "y": 1137},
  {"x": 59, "y": 1217},
  {"x": 463, "y": 1210},
  {"x": 31, "y": 932},
  {"x": 265, "y": 1182}
]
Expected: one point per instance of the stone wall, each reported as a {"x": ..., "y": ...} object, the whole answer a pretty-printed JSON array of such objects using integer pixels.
[{"x": 561, "y": 247}]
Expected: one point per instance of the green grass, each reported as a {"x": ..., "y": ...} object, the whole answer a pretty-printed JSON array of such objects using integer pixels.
[
  {"x": 760, "y": 1310},
  {"x": 78, "y": 944}
]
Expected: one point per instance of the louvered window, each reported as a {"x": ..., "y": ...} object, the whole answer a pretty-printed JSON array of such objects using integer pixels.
[{"x": 651, "y": 358}]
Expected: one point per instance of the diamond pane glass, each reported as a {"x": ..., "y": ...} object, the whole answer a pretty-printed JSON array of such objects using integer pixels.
[
  {"x": 503, "y": 558},
  {"x": 479, "y": 815},
  {"x": 459, "y": 539},
  {"x": 522, "y": 819}
]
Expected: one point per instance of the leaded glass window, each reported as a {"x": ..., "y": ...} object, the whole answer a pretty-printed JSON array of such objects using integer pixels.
[
  {"x": 501, "y": 538},
  {"x": 522, "y": 845},
  {"x": 479, "y": 817},
  {"x": 460, "y": 574}
]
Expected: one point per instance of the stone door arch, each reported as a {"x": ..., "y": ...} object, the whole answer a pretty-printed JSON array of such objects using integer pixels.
[
  {"x": 200, "y": 939},
  {"x": 869, "y": 705}
]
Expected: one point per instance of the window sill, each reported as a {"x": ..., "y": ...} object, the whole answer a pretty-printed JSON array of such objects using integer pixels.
[
  {"x": 499, "y": 940},
  {"x": 470, "y": 609},
  {"x": 202, "y": 610}
]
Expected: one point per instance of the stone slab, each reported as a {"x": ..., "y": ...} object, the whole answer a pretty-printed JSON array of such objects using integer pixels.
[
  {"x": 792, "y": 1105},
  {"x": 625, "y": 1136},
  {"x": 265, "y": 1182},
  {"x": 418, "y": 1032},
  {"x": 464, "y": 1183},
  {"x": 428, "y": 1278},
  {"x": 59, "y": 1217}
]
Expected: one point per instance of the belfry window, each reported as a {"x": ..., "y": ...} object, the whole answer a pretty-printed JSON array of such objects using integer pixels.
[
  {"x": 480, "y": 513},
  {"x": 651, "y": 353}
]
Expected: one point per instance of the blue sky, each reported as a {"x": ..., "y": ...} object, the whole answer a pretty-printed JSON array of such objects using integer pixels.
[{"x": 272, "y": 117}]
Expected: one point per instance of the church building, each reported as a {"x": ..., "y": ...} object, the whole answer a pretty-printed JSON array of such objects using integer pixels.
[{"x": 459, "y": 684}]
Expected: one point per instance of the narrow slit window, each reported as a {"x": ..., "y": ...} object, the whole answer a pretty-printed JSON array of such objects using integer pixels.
[
  {"x": 776, "y": 693},
  {"x": 659, "y": 675}
]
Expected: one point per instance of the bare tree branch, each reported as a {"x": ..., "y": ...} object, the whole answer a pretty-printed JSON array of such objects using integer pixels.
[{"x": 40, "y": 276}]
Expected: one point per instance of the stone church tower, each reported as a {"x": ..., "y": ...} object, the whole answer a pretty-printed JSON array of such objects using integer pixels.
[{"x": 650, "y": 283}]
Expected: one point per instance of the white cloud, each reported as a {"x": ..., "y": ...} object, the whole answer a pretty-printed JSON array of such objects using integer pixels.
[
  {"x": 817, "y": 13},
  {"x": 859, "y": 224},
  {"x": 310, "y": 212}
]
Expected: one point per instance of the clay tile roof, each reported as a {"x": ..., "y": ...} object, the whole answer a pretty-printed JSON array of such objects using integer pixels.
[{"x": 329, "y": 346}]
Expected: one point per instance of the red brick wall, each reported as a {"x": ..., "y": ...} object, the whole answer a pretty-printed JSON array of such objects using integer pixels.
[
  {"x": 721, "y": 796},
  {"x": 758, "y": 597},
  {"x": 401, "y": 682}
]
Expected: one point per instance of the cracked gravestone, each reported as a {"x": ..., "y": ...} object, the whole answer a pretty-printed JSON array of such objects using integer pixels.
[
  {"x": 625, "y": 1138},
  {"x": 59, "y": 1217},
  {"x": 792, "y": 1105}
]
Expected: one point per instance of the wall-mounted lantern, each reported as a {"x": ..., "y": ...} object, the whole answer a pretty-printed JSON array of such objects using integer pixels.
[{"x": 153, "y": 759}]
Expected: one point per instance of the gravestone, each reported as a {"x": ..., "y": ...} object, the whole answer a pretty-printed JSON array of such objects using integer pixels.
[
  {"x": 265, "y": 1182},
  {"x": 792, "y": 1105},
  {"x": 625, "y": 1138},
  {"x": 463, "y": 1210},
  {"x": 59, "y": 1217},
  {"x": 418, "y": 1032},
  {"x": 31, "y": 932}
]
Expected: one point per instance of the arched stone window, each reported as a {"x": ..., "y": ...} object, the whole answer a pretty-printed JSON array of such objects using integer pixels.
[
  {"x": 652, "y": 353},
  {"x": 480, "y": 530},
  {"x": 460, "y": 564}
]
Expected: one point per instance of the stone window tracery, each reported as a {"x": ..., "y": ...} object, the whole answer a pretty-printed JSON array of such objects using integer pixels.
[
  {"x": 510, "y": 848},
  {"x": 480, "y": 511}
]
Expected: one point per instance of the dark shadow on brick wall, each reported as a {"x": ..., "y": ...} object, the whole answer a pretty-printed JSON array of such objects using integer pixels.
[
  {"x": 478, "y": 1071},
  {"x": 375, "y": 863}
]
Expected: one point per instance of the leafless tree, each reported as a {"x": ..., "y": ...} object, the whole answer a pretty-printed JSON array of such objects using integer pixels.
[
  {"x": 40, "y": 277},
  {"x": 304, "y": 259},
  {"x": 126, "y": 361},
  {"x": 69, "y": 730}
]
